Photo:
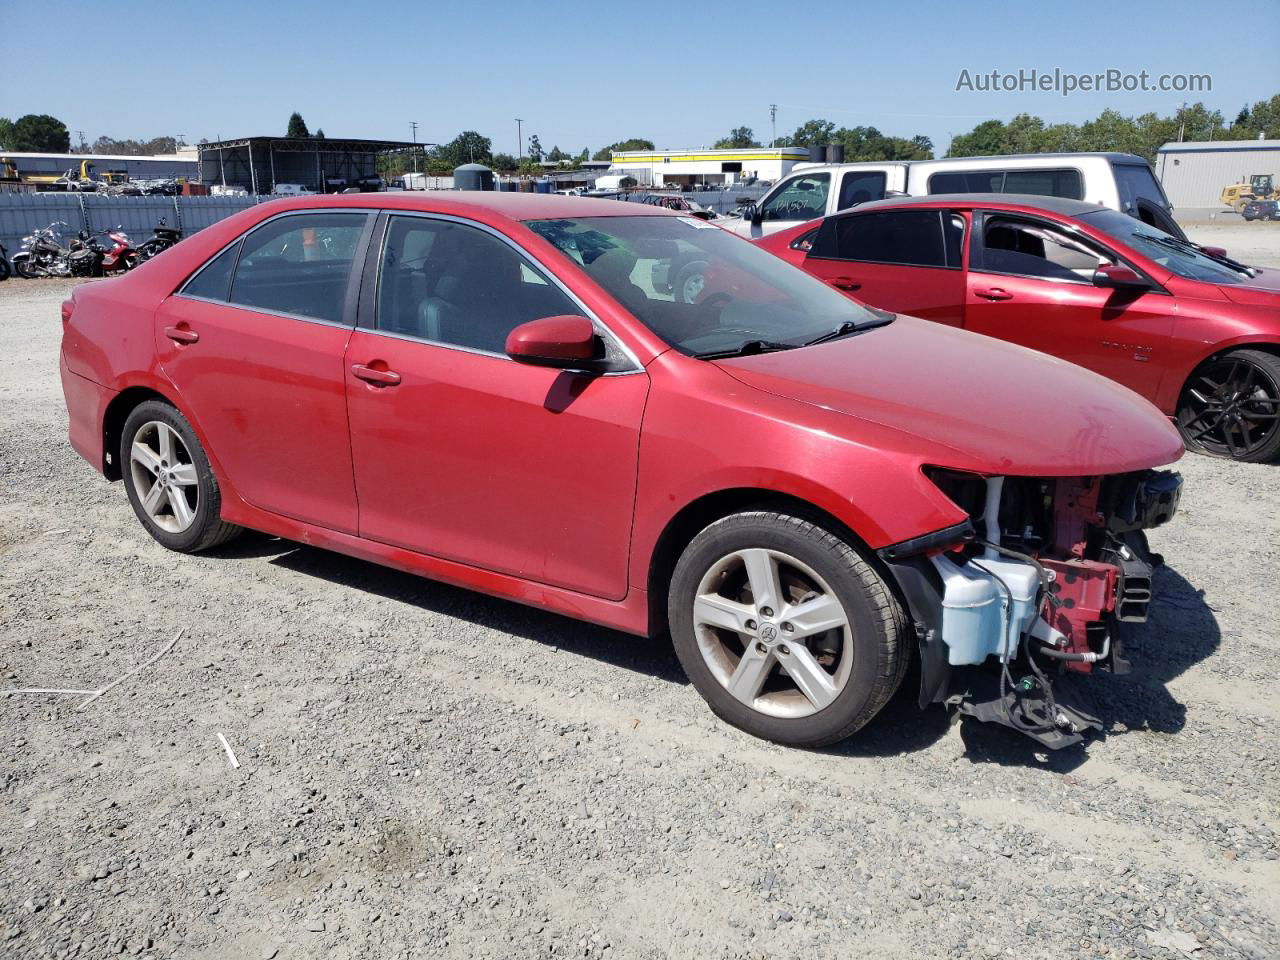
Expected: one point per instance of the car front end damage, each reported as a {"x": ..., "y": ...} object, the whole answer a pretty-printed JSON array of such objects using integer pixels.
[{"x": 1018, "y": 604}]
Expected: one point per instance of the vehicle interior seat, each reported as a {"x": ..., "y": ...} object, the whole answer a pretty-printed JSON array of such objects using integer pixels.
[{"x": 613, "y": 270}]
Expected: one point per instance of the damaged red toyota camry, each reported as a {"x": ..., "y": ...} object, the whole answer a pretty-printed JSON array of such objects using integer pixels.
[{"x": 502, "y": 391}]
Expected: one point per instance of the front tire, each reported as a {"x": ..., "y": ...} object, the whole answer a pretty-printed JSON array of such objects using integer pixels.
[
  {"x": 1230, "y": 407},
  {"x": 169, "y": 481},
  {"x": 785, "y": 629}
]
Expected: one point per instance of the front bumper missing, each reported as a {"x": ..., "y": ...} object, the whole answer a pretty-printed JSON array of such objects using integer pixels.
[{"x": 982, "y": 651}]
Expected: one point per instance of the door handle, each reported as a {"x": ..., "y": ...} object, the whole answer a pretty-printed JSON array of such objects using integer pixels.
[
  {"x": 379, "y": 378},
  {"x": 181, "y": 334},
  {"x": 845, "y": 283},
  {"x": 994, "y": 293}
]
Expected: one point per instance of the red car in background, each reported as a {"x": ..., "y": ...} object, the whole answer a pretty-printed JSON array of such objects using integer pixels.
[
  {"x": 1190, "y": 329},
  {"x": 499, "y": 391}
]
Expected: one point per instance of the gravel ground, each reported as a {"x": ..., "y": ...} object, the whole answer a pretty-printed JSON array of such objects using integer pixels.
[
  {"x": 1254, "y": 243},
  {"x": 427, "y": 772}
]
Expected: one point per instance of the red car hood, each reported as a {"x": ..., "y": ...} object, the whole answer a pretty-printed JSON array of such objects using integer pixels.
[
  {"x": 980, "y": 404},
  {"x": 1260, "y": 291}
]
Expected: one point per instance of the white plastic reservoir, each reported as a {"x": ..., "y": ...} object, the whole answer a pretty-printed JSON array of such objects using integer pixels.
[{"x": 987, "y": 604}]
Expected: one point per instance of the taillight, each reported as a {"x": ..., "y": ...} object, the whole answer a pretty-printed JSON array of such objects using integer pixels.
[{"x": 68, "y": 306}]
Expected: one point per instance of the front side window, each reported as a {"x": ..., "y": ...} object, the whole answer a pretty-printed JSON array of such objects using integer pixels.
[
  {"x": 801, "y": 198},
  {"x": 455, "y": 284},
  {"x": 905, "y": 237},
  {"x": 702, "y": 289},
  {"x": 299, "y": 264},
  {"x": 1031, "y": 249}
]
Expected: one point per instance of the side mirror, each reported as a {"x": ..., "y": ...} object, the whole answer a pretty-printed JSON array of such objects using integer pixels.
[
  {"x": 751, "y": 213},
  {"x": 1215, "y": 251},
  {"x": 1118, "y": 277},
  {"x": 565, "y": 342}
]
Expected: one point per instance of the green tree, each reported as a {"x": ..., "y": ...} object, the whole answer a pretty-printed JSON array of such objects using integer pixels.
[
  {"x": 635, "y": 143},
  {"x": 535, "y": 149},
  {"x": 503, "y": 161},
  {"x": 466, "y": 147},
  {"x": 984, "y": 140},
  {"x": 584, "y": 156},
  {"x": 297, "y": 126},
  {"x": 6, "y": 134},
  {"x": 812, "y": 133},
  {"x": 556, "y": 155},
  {"x": 40, "y": 133},
  {"x": 738, "y": 138},
  {"x": 319, "y": 134}
]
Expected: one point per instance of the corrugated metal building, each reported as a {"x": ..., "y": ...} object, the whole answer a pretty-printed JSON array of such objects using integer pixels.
[
  {"x": 688, "y": 167},
  {"x": 322, "y": 165},
  {"x": 1193, "y": 173}
]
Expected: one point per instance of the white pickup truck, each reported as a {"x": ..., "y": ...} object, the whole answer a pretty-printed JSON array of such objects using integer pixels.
[{"x": 1120, "y": 181}]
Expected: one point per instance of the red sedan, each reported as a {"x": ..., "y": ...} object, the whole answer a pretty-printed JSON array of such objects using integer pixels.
[
  {"x": 495, "y": 391},
  {"x": 1188, "y": 328}
]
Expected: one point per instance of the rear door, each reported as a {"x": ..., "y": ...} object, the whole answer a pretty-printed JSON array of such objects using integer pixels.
[
  {"x": 904, "y": 260},
  {"x": 464, "y": 454},
  {"x": 1030, "y": 281},
  {"x": 254, "y": 342}
]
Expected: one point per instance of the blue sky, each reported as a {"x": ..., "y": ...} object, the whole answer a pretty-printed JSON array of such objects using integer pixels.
[{"x": 588, "y": 74}]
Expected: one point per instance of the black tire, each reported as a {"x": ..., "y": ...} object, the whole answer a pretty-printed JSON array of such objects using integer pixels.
[
  {"x": 878, "y": 636},
  {"x": 22, "y": 267},
  {"x": 206, "y": 529},
  {"x": 1240, "y": 383},
  {"x": 4, "y": 268}
]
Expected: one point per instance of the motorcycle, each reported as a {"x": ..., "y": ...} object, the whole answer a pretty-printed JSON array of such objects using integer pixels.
[
  {"x": 165, "y": 237},
  {"x": 43, "y": 254},
  {"x": 117, "y": 258}
]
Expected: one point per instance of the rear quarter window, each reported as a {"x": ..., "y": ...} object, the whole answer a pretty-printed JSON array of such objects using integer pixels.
[
  {"x": 906, "y": 237},
  {"x": 1065, "y": 182}
]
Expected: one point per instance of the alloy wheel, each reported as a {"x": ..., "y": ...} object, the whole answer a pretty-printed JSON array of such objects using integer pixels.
[
  {"x": 164, "y": 477},
  {"x": 1231, "y": 408},
  {"x": 773, "y": 633}
]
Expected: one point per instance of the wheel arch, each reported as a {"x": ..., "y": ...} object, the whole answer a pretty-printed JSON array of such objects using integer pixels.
[
  {"x": 113, "y": 420},
  {"x": 1178, "y": 384},
  {"x": 698, "y": 514}
]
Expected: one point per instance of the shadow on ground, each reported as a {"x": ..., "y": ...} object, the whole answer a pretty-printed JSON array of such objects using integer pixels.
[
  {"x": 644, "y": 655},
  {"x": 1181, "y": 633}
]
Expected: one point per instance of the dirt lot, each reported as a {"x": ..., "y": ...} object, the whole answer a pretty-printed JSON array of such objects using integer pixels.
[{"x": 426, "y": 772}]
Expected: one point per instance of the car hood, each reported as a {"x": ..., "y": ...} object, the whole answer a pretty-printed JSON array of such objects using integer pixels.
[
  {"x": 1262, "y": 290},
  {"x": 978, "y": 403}
]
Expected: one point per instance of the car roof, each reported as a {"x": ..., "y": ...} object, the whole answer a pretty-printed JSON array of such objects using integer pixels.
[
  {"x": 1059, "y": 205},
  {"x": 485, "y": 204}
]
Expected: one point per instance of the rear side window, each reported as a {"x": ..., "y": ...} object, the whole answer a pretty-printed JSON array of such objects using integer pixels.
[
  {"x": 1043, "y": 183},
  {"x": 906, "y": 237},
  {"x": 858, "y": 188},
  {"x": 214, "y": 279},
  {"x": 299, "y": 265}
]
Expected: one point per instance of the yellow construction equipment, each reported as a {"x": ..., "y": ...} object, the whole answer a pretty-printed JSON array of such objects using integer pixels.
[{"x": 1261, "y": 186}]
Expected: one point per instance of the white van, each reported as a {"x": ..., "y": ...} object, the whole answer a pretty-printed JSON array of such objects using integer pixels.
[
  {"x": 1120, "y": 181},
  {"x": 291, "y": 190}
]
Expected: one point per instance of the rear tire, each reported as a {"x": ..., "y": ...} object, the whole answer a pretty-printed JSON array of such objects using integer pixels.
[
  {"x": 757, "y": 662},
  {"x": 1230, "y": 407},
  {"x": 22, "y": 267},
  {"x": 170, "y": 484}
]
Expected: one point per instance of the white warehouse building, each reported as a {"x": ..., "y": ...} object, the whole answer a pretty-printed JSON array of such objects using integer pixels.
[
  {"x": 660, "y": 168},
  {"x": 1193, "y": 173}
]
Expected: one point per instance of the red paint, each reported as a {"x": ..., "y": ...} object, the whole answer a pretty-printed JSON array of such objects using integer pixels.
[
  {"x": 1149, "y": 341},
  {"x": 551, "y": 487}
]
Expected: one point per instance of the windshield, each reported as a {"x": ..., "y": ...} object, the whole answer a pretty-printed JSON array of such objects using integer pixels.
[
  {"x": 1176, "y": 256},
  {"x": 700, "y": 288}
]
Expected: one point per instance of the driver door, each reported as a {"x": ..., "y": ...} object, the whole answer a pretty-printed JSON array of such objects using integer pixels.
[
  {"x": 1031, "y": 282},
  {"x": 798, "y": 199}
]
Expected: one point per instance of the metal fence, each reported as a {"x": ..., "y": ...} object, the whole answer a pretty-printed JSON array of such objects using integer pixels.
[{"x": 20, "y": 213}]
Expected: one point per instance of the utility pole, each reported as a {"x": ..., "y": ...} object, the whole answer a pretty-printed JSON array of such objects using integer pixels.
[
  {"x": 773, "y": 120},
  {"x": 177, "y": 141},
  {"x": 519, "y": 141},
  {"x": 413, "y": 125}
]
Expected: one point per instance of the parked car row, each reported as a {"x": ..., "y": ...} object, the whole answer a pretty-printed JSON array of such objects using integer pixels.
[
  {"x": 1190, "y": 329},
  {"x": 1119, "y": 181},
  {"x": 518, "y": 393}
]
